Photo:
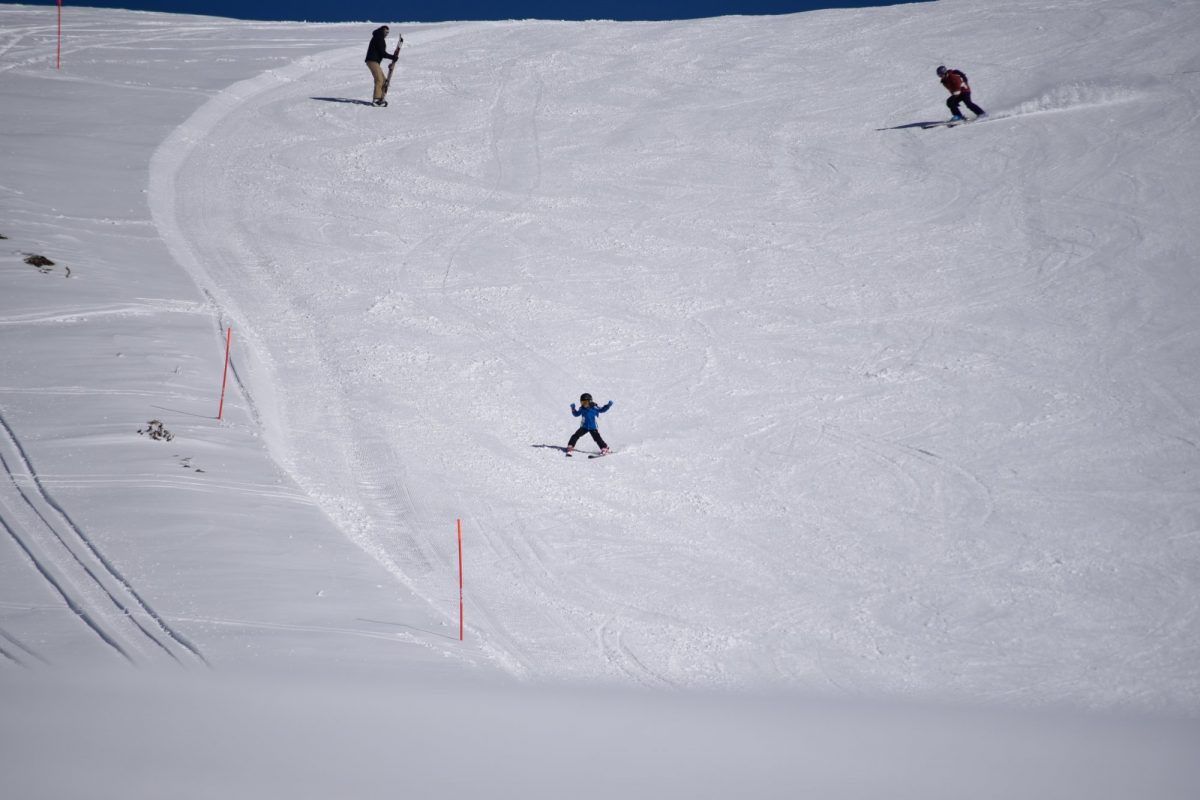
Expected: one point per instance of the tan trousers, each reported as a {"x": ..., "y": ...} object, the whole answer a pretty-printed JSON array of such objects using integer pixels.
[{"x": 377, "y": 73}]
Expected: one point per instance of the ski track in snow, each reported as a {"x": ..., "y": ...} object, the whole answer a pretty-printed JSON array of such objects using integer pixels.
[{"x": 87, "y": 582}]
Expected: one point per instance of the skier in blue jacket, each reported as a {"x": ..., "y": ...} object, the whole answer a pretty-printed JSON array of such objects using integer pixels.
[{"x": 589, "y": 411}]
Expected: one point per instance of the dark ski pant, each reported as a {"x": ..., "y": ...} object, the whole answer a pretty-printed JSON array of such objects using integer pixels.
[
  {"x": 595, "y": 435},
  {"x": 965, "y": 99}
]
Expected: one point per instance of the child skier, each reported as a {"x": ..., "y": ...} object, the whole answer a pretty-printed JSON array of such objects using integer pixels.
[
  {"x": 589, "y": 411},
  {"x": 955, "y": 82}
]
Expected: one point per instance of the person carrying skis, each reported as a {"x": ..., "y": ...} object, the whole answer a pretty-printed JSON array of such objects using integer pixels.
[
  {"x": 376, "y": 52},
  {"x": 589, "y": 411},
  {"x": 955, "y": 82}
]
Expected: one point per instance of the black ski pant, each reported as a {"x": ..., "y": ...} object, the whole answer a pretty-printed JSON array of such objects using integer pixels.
[
  {"x": 595, "y": 435},
  {"x": 965, "y": 99}
]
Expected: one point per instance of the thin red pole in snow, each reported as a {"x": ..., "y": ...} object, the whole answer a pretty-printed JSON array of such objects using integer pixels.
[
  {"x": 460, "y": 583},
  {"x": 225, "y": 377},
  {"x": 58, "y": 54}
]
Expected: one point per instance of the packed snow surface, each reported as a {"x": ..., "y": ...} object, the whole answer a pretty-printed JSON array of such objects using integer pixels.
[{"x": 906, "y": 419}]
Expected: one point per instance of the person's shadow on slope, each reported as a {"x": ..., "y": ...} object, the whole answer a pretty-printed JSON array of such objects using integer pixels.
[{"x": 342, "y": 100}]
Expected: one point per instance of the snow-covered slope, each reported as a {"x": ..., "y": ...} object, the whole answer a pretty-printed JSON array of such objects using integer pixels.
[
  {"x": 895, "y": 408},
  {"x": 898, "y": 411}
]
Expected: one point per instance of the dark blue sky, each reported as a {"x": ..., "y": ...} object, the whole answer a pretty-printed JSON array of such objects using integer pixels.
[{"x": 442, "y": 10}]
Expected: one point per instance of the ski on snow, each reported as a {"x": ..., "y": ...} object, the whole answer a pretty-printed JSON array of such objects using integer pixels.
[
  {"x": 954, "y": 123},
  {"x": 571, "y": 454}
]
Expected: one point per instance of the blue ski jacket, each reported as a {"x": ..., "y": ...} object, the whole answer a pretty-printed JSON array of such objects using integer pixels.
[{"x": 589, "y": 414}]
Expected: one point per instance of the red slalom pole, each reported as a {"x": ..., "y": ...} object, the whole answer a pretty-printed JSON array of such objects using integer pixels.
[
  {"x": 225, "y": 377},
  {"x": 460, "y": 583},
  {"x": 58, "y": 54}
]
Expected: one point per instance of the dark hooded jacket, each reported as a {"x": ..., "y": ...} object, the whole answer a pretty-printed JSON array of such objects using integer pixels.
[{"x": 377, "y": 50}]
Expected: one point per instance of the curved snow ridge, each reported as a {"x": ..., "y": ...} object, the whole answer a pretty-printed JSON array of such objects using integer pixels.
[
  {"x": 219, "y": 273},
  {"x": 170, "y": 156},
  {"x": 165, "y": 165}
]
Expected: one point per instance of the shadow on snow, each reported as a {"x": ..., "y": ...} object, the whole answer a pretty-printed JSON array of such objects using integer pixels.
[{"x": 350, "y": 100}]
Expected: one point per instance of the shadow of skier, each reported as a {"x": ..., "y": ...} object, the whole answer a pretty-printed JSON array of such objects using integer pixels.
[
  {"x": 937, "y": 123},
  {"x": 349, "y": 100}
]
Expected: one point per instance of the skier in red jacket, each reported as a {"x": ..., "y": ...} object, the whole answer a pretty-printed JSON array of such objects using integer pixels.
[{"x": 955, "y": 82}]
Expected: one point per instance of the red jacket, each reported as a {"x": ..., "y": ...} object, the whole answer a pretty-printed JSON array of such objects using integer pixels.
[{"x": 955, "y": 82}]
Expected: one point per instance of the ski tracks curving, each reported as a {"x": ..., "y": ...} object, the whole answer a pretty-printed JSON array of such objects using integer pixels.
[
  {"x": 75, "y": 570},
  {"x": 545, "y": 586}
]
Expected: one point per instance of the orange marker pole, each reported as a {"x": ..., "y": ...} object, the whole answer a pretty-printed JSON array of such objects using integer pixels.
[
  {"x": 225, "y": 377},
  {"x": 460, "y": 583}
]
